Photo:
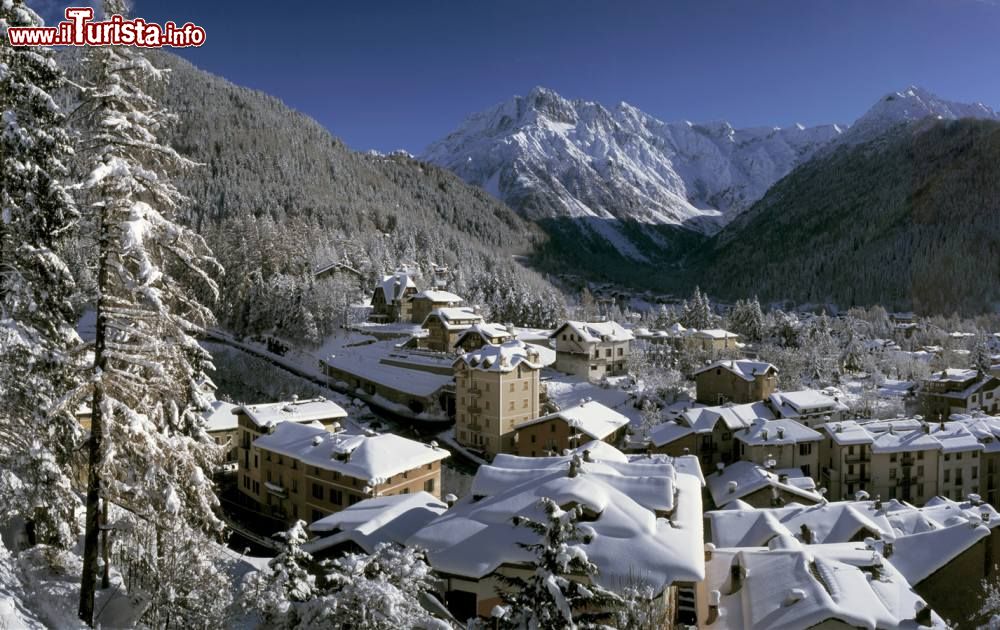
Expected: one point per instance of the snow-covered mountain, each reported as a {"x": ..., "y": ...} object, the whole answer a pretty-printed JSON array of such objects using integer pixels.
[
  {"x": 909, "y": 105},
  {"x": 551, "y": 158}
]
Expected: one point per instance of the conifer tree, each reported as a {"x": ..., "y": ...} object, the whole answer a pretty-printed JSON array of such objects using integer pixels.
[
  {"x": 148, "y": 450},
  {"x": 548, "y": 599},
  {"x": 38, "y": 340}
]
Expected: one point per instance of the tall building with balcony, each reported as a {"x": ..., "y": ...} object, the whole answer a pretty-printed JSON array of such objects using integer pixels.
[{"x": 496, "y": 388}]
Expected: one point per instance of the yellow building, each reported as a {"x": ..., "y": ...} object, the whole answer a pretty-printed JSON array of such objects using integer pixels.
[
  {"x": 740, "y": 381},
  {"x": 308, "y": 472},
  {"x": 254, "y": 421},
  {"x": 569, "y": 429},
  {"x": 445, "y": 325},
  {"x": 592, "y": 350},
  {"x": 496, "y": 388}
]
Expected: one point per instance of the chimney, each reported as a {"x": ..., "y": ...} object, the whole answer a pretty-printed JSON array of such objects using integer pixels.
[
  {"x": 450, "y": 499},
  {"x": 781, "y": 432},
  {"x": 783, "y": 478},
  {"x": 574, "y": 468},
  {"x": 794, "y": 595},
  {"x": 731, "y": 487},
  {"x": 736, "y": 576},
  {"x": 923, "y": 616},
  {"x": 807, "y": 534},
  {"x": 714, "y": 598},
  {"x": 709, "y": 549},
  {"x": 586, "y": 455}
]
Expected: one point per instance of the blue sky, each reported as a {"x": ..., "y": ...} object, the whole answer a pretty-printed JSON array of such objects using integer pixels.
[{"x": 390, "y": 74}]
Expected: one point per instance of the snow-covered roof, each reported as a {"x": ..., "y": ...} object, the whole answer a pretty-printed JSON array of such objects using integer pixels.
[
  {"x": 485, "y": 331},
  {"x": 373, "y": 458},
  {"x": 590, "y": 417},
  {"x": 504, "y": 357},
  {"x": 373, "y": 521},
  {"x": 743, "y": 478},
  {"x": 804, "y": 402},
  {"x": 703, "y": 419},
  {"x": 744, "y": 368},
  {"x": 955, "y": 437},
  {"x": 848, "y": 432},
  {"x": 894, "y": 441},
  {"x": 592, "y": 332},
  {"x": 668, "y": 432},
  {"x": 924, "y": 539},
  {"x": 714, "y": 333},
  {"x": 952, "y": 375},
  {"x": 454, "y": 317},
  {"x": 789, "y": 587},
  {"x": 220, "y": 417},
  {"x": 395, "y": 285},
  {"x": 438, "y": 297},
  {"x": 628, "y": 541},
  {"x": 782, "y": 431},
  {"x": 308, "y": 410}
]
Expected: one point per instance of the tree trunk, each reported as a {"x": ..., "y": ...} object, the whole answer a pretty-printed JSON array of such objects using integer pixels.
[
  {"x": 105, "y": 546},
  {"x": 88, "y": 581}
]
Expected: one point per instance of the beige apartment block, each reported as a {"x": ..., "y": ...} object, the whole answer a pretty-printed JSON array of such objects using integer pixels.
[
  {"x": 592, "y": 350},
  {"x": 739, "y": 381}
]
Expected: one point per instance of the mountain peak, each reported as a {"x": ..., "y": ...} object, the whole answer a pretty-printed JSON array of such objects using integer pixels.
[{"x": 910, "y": 104}]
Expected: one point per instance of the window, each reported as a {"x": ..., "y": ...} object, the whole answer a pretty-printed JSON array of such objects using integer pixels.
[
  {"x": 920, "y": 454},
  {"x": 805, "y": 449},
  {"x": 607, "y": 352},
  {"x": 850, "y": 450},
  {"x": 269, "y": 476},
  {"x": 947, "y": 457},
  {"x": 920, "y": 489},
  {"x": 621, "y": 352},
  {"x": 352, "y": 499},
  {"x": 892, "y": 458},
  {"x": 593, "y": 368},
  {"x": 246, "y": 481},
  {"x": 805, "y": 470},
  {"x": 947, "y": 476},
  {"x": 958, "y": 456},
  {"x": 317, "y": 515},
  {"x": 336, "y": 497},
  {"x": 524, "y": 386},
  {"x": 552, "y": 427},
  {"x": 524, "y": 405},
  {"x": 892, "y": 473},
  {"x": 920, "y": 471},
  {"x": 975, "y": 472},
  {"x": 256, "y": 462},
  {"x": 533, "y": 438},
  {"x": 512, "y": 388},
  {"x": 295, "y": 486},
  {"x": 317, "y": 491},
  {"x": 429, "y": 486}
]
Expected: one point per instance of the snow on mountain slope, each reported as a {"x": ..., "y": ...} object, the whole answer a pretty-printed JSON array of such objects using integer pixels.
[
  {"x": 552, "y": 158},
  {"x": 911, "y": 104}
]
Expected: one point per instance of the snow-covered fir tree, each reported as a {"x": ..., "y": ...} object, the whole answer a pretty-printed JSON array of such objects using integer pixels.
[
  {"x": 381, "y": 591},
  {"x": 549, "y": 598},
  {"x": 747, "y": 319},
  {"x": 148, "y": 450},
  {"x": 38, "y": 341},
  {"x": 697, "y": 312}
]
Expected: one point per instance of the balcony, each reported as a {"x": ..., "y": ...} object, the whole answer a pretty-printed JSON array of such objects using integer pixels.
[
  {"x": 474, "y": 408},
  {"x": 474, "y": 391},
  {"x": 907, "y": 460}
]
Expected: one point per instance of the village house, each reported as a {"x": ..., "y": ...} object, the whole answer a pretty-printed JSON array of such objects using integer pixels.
[
  {"x": 711, "y": 340},
  {"x": 222, "y": 426},
  {"x": 643, "y": 520},
  {"x": 592, "y": 350},
  {"x": 423, "y": 303},
  {"x": 707, "y": 432},
  {"x": 445, "y": 325},
  {"x": 959, "y": 391},
  {"x": 253, "y": 421},
  {"x": 754, "y": 485},
  {"x": 791, "y": 585},
  {"x": 943, "y": 548},
  {"x": 568, "y": 429},
  {"x": 390, "y": 301},
  {"x": 987, "y": 431},
  {"x": 496, "y": 388},
  {"x": 780, "y": 443},
  {"x": 478, "y": 335},
  {"x": 308, "y": 472},
  {"x": 736, "y": 381},
  {"x": 808, "y": 406}
]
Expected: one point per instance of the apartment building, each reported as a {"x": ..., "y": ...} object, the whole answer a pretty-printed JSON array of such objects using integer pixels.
[
  {"x": 780, "y": 444},
  {"x": 445, "y": 325},
  {"x": 254, "y": 421},
  {"x": 478, "y": 335},
  {"x": 808, "y": 406},
  {"x": 424, "y": 303},
  {"x": 711, "y": 340},
  {"x": 308, "y": 472},
  {"x": 592, "y": 350},
  {"x": 390, "y": 298},
  {"x": 496, "y": 388}
]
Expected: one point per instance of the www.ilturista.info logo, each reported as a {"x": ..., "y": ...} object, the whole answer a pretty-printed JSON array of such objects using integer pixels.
[{"x": 79, "y": 29}]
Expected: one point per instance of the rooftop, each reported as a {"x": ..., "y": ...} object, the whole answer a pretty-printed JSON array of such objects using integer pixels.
[
  {"x": 504, "y": 357},
  {"x": 743, "y": 478},
  {"x": 220, "y": 417},
  {"x": 744, "y": 368},
  {"x": 308, "y": 410},
  {"x": 804, "y": 402},
  {"x": 783, "y": 431},
  {"x": 628, "y": 539},
  {"x": 597, "y": 331},
  {"x": 373, "y": 521},
  {"x": 438, "y": 297},
  {"x": 590, "y": 417},
  {"x": 373, "y": 458}
]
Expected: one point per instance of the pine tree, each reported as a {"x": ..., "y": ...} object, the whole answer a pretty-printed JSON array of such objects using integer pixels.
[
  {"x": 548, "y": 599},
  {"x": 148, "y": 450},
  {"x": 38, "y": 340},
  {"x": 982, "y": 358},
  {"x": 288, "y": 581},
  {"x": 697, "y": 313}
]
